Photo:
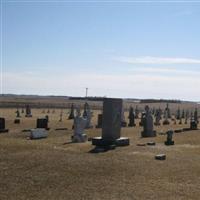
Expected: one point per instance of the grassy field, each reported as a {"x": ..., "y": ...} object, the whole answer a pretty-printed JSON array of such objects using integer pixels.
[{"x": 54, "y": 168}]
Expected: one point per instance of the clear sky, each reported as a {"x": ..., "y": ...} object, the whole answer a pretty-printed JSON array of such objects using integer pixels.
[{"x": 116, "y": 49}]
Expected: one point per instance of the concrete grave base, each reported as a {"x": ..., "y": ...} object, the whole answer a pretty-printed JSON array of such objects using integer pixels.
[
  {"x": 38, "y": 133},
  {"x": 160, "y": 157},
  {"x": 4, "y": 130},
  {"x": 148, "y": 134},
  {"x": 122, "y": 141},
  {"x": 169, "y": 143},
  {"x": 77, "y": 139}
]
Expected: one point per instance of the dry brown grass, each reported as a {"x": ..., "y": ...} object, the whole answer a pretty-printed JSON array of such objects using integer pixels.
[{"x": 50, "y": 169}]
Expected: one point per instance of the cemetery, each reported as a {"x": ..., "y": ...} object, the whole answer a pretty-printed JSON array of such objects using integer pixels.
[{"x": 98, "y": 147}]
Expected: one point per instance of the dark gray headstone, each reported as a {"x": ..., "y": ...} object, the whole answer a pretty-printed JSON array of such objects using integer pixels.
[{"x": 111, "y": 126}]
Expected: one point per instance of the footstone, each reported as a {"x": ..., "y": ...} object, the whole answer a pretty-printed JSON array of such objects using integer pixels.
[
  {"x": 17, "y": 121},
  {"x": 38, "y": 133},
  {"x": 178, "y": 131},
  {"x": 166, "y": 122},
  {"x": 151, "y": 143},
  {"x": 160, "y": 157}
]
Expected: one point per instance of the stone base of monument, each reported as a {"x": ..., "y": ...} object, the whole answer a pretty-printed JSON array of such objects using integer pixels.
[
  {"x": 4, "y": 130},
  {"x": 178, "y": 131},
  {"x": 38, "y": 133},
  {"x": 169, "y": 143},
  {"x": 122, "y": 141},
  {"x": 28, "y": 115},
  {"x": 17, "y": 121},
  {"x": 131, "y": 125},
  {"x": 166, "y": 122},
  {"x": 78, "y": 138},
  {"x": 148, "y": 133},
  {"x": 160, "y": 157}
]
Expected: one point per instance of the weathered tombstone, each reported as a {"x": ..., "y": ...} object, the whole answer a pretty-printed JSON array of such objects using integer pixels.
[
  {"x": 141, "y": 123},
  {"x": 18, "y": 114},
  {"x": 193, "y": 125},
  {"x": 79, "y": 126},
  {"x": 148, "y": 124},
  {"x": 167, "y": 110},
  {"x": 42, "y": 123},
  {"x": 166, "y": 117},
  {"x": 131, "y": 117},
  {"x": 186, "y": 116},
  {"x": 158, "y": 117},
  {"x": 178, "y": 114},
  {"x": 196, "y": 118},
  {"x": 71, "y": 115},
  {"x": 17, "y": 121},
  {"x": 3, "y": 126},
  {"x": 47, "y": 117},
  {"x": 136, "y": 112},
  {"x": 99, "y": 121},
  {"x": 22, "y": 110},
  {"x": 61, "y": 114},
  {"x": 38, "y": 133},
  {"x": 48, "y": 111},
  {"x": 123, "y": 121},
  {"x": 180, "y": 122},
  {"x": 88, "y": 115},
  {"x": 111, "y": 126},
  {"x": 183, "y": 114},
  {"x": 28, "y": 111},
  {"x": 169, "y": 138}
]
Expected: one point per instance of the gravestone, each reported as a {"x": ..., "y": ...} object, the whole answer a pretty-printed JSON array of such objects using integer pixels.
[
  {"x": 71, "y": 115},
  {"x": 3, "y": 126},
  {"x": 28, "y": 111},
  {"x": 158, "y": 117},
  {"x": 131, "y": 117},
  {"x": 38, "y": 133},
  {"x": 169, "y": 138},
  {"x": 196, "y": 118},
  {"x": 18, "y": 114},
  {"x": 193, "y": 125},
  {"x": 79, "y": 126},
  {"x": 178, "y": 114},
  {"x": 166, "y": 117},
  {"x": 136, "y": 112},
  {"x": 17, "y": 121},
  {"x": 42, "y": 123},
  {"x": 141, "y": 123},
  {"x": 111, "y": 126},
  {"x": 61, "y": 114},
  {"x": 87, "y": 114},
  {"x": 123, "y": 121},
  {"x": 99, "y": 121},
  {"x": 22, "y": 110},
  {"x": 148, "y": 124}
]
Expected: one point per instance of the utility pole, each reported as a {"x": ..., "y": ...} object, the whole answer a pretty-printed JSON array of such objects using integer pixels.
[{"x": 86, "y": 92}]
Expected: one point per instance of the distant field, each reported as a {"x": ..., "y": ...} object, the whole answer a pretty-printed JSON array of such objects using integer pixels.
[{"x": 53, "y": 168}]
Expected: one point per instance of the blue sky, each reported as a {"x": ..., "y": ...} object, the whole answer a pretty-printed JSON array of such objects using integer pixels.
[{"x": 129, "y": 49}]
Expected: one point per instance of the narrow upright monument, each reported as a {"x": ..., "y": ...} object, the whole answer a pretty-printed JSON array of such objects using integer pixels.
[
  {"x": 148, "y": 124},
  {"x": 111, "y": 126}
]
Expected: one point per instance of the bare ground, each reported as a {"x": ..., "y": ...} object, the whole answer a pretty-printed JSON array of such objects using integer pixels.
[{"x": 53, "y": 168}]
